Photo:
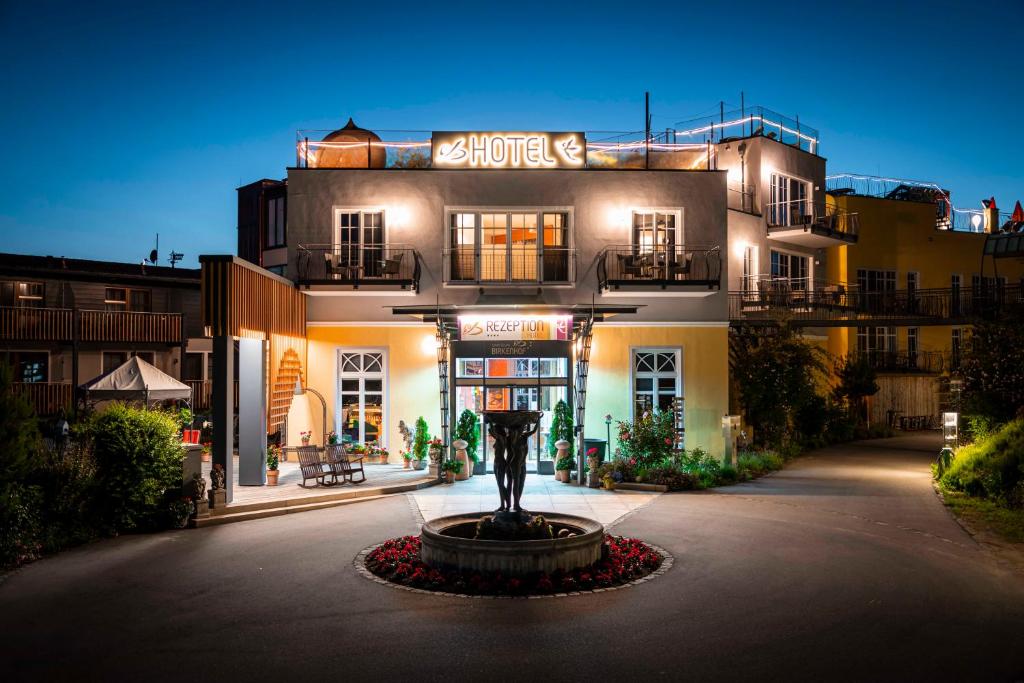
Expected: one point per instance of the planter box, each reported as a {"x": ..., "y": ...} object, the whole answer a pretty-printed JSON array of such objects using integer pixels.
[
  {"x": 634, "y": 486},
  {"x": 479, "y": 467}
]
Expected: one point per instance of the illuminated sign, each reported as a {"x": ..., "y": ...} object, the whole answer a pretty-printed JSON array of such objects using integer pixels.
[
  {"x": 515, "y": 328},
  {"x": 508, "y": 150}
]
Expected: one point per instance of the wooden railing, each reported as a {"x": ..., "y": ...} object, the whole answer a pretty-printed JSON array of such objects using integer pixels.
[
  {"x": 130, "y": 326},
  {"x": 58, "y": 325},
  {"x": 35, "y": 324},
  {"x": 47, "y": 398},
  {"x": 202, "y": 394}
]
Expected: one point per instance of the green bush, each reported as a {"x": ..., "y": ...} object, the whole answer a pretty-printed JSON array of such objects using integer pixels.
[
  {"x": 566, "y": 463},
  {"x": 138, "y": 460},
  {"x": 561, "y": 428},
  {"x": 421, "y": 439},
  {"x": 648, "y": 440},
  {"x": 20, "y": 500},
  {"x": 468, "y": 429},
  {"x": 673, "y": 476},
  {"x": 66, "y": 478},
  {"x": 750, "y": 464},
  {"x": 992, "y": 467}
]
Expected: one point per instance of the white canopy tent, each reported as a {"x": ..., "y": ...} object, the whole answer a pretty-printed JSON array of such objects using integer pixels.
[{"x": 136, "y": 380}]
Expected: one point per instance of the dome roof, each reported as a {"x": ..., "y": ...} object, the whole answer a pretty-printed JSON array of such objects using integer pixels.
[{"x": 352, "y": 147}]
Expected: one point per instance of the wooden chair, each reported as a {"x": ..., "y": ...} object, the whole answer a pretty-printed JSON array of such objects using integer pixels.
[
  {"x": 343, "y": 465},
  {"x": 392, "y": 266},
  {"x": 312, "y": 467}
]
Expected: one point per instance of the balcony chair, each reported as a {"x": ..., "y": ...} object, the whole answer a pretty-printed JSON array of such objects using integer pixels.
[
  {"x": 633, "y": 266},
  {"x": 391, "y": 267},
  {"x": 683, "y": 267}
]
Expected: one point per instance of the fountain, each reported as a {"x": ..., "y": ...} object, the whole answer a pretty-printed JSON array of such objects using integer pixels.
[{"x": 511, "y": 540}]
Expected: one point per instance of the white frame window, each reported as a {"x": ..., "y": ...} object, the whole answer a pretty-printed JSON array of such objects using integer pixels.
[
  {"x": 791, "y": 199},
  {"x": 359, "y": 237},
  {"x": 655, "y": 372},
  {"x": 782, "y": 264},
  {"x": 536, "y": 246},
  {"x": 364, "y": 366},
  {"x": 876, "y": 340},
  {"x": 750, "y": 269},
  {"x": 656, "y": 228}
]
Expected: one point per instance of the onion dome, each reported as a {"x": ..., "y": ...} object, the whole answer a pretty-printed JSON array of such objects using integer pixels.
[{"x": 351, "y": 147}]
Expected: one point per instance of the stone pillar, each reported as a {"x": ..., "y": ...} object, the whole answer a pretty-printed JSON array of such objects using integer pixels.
[
  {"x": 223, "y": 403},
  {"x": 252, "y": 413}
]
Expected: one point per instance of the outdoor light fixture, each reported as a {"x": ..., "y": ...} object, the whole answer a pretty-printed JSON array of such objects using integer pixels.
[
  {"x": 608, "y": 429},
  {"x": 950, "y": 422},
  {"x": 300, "y": 390},
  {"x": 976, "y": 220}
]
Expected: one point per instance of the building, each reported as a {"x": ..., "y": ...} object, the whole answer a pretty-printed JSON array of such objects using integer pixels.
[{"x": 65, "y": 321}]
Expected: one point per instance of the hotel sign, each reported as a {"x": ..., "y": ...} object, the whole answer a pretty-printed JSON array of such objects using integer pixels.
[
  {"x": 515, "y": 328},
  {"x": 502, "y": 149}
]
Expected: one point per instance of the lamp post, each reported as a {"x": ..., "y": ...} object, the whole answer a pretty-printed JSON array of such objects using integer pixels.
[
  {"x": 299, "y": 391},
  {"x": 608, "y": 431}
]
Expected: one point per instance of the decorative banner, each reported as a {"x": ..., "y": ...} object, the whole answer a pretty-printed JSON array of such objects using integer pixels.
[
  {"x": 462, "y": 149},
  {"x": 515, "y": 327}
]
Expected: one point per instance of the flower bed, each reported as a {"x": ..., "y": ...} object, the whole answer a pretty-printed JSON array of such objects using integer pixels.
[{"x": 626, "y": 560}]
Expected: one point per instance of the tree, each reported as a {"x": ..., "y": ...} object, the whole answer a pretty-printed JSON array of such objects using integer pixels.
[
  {"x": 856, "y": 382},
  {"x": 19, "y": 501},
  {"x": 992, "y": 368},
  {"x": 561, "y": 428},
  {"x": 776, "y": 374}
]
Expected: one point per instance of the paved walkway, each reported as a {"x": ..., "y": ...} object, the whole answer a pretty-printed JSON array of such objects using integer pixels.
[
  {"x": 844, "y": 566},
  {"x": 479, "y": 493}
]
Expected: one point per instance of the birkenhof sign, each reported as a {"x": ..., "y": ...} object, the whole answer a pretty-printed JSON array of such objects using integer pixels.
[
  {"x": 501, "y": 149},
  {"x": 515, "y": 328}
]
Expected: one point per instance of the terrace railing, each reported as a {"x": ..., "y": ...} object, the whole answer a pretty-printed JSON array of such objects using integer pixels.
[
  {"x": 932, "y": 362},
  {"x": 385, "y": 265},
  {"x": 36, "y": 324},
  {"x": 47, "y": 398},
  {"x": 747, "y": 122},
  {"x": 667, "y": 266},
  {"x": 514, "y": 264},
  {"x": 65, "y": 325},
  {"x": 801, "y": 212}
]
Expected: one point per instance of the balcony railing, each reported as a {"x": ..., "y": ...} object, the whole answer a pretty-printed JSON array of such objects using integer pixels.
[
  {"x": 838, "y": 305},
  {"x": 742, "y": 197},
  {"x": 35, "y": 324},
  {"x": 59, "y": 325},
  {"x": 47, "y": 398},
  {"x": 517, "y": 264},
  {"x": 664, "y": 267},
  {"x": 800, "y": 213},
  {"x": 932, "y": 362},
  {"x": 387, "y": 266}
]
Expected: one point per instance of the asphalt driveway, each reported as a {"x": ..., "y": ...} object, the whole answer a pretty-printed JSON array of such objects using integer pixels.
[{"x": 844, "y": 566}]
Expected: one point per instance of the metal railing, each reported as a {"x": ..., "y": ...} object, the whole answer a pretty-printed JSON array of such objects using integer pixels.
[
  {"x": 667, "y": 266},
  {"x": 515, "y": 264},
  {"x": 742, "y": 197},
  {"x": 778, "y": 299},
  {"x": 747, "y": 122},
  {"x": 357, "y": 265},
  {"x": 800, "y": 213},
  {"x": 904, "y": 361}
]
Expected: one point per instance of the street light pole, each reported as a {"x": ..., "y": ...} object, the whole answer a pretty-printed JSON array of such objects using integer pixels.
[{"x": 299, "y": 391}]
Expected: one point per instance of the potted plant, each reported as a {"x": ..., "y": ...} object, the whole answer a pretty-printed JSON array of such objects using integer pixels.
[
  {"x": 406, "y": 460},
  {"x": 205, "y": 457},
  {"x": 593, "y": 463},
  {"x": 561, "y": 430},
  {"x": 180, "y": 511},
  {"x": 383, "y": 456},
  {"x": 468, "y": 430},
  {"x": 420, "y": 461},
  {"x": 304, "y": 437},
  {"x": 450, "y": 469},
  {"x": 332, "y": 438},
  {"x": 273, "y": 460},
  {"x": 420, "y": 443},
  {"x": 563, "y": 468}
]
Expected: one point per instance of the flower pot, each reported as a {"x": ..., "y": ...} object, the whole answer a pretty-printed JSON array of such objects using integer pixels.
[
  {"x": 407, "y": 464},
  {"x": 463, "y": 457},
  {"x": 272, "y": 477},
  {"x": 592, "y": 480},
  {"x": 562, "y": 476},
  {"x": 449, "y": 477},
  {"x": 305, "y": 442},
  {"x": 419, "y": 464}
]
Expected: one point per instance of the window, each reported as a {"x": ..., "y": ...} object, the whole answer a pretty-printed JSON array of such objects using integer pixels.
[
  {"x": 750, "y": 268},
  {"x": 913, "y": 282},
  {"x": 275, "y": 223},
  {"x": 509, "y": 246},
  {"x": 656, "y": 379},
  {"x": 913, "y": 346},
  {"x": 791, "y": 267},
  {"x": 789, "y": 203},
  {"x": 361, "y": 389},
  {"x": 874, "y": 342},
  {"x": 113, "y": 360},
  {"x": 955, "y": 345},
  {"x": 360, "y": 241},
  {"x": 876, "y": 280},
  {"x": 121, "y": 299},
  {"x": 192, "y": 369},
  {"x": 30, "y": 366},
  {"x": 653, "y": 230},
  {"x": 22, "y": 294}
]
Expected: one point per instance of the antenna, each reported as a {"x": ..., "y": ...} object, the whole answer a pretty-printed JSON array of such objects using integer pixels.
[{"x": 175, "y": 257}]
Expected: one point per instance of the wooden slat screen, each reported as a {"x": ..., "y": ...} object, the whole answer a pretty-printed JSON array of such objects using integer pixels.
[{"x": 243, "y": 301}]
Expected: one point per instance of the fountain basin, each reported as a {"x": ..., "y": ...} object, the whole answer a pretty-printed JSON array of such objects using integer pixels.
[{"x": 447, "y": 543}]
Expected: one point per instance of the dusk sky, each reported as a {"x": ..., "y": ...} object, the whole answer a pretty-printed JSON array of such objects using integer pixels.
[{"x": 122, "y": 120}]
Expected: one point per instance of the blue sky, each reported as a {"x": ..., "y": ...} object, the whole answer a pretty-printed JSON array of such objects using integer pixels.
[{"x": 122, "y": 120}]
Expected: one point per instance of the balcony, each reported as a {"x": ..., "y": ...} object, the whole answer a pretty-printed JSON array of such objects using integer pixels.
[
  {"x": 670, "y": 267},
  {"x": 815, "y": 304},
  {"x": 793, "y": 222},
  {"x": 47, "y": 398},
  {"x": 376, "y": 266},
  {"x": 66, "y": 325},
  {"x": 499, "y": 265},
  {"x": 905, "y": 362}
]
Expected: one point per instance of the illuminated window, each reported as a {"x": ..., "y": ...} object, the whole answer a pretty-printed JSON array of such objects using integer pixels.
[
  {"x": 22, "y": 294},
  {"x": 655, "y": 230},
  {"x": 657, "y": 379},
  {"x": 360, "y": 243},
  {"x": 791, "y": 267},
  {"x": 361, "y": 392},
  {"x": 789, "y": 203},
  {"x": 122, "y": 299},
  {"x": 30, "y": 366},
  {"x": 509, "y": 246}
]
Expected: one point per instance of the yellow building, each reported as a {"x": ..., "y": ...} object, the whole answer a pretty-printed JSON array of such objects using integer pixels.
[{"x": 918, "y": 269}]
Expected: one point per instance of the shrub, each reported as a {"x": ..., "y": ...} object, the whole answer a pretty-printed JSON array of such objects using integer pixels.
[
  {"x": 673, "y": 476},
  {"x": 468, "y": 429},
  {"x": 751, "y": 464},
  {"x": 138, "y": 459},
  {"x": 565, "y": 463},
  {"x": 649, "y": 439},
  {"x": 992, "y": 467},
  {"x": 561, "y": 428},
  {"x": 421, "y": 439},
  {"x": 700, "y": 463},
  {"x": 66, "y": 478},
  {"x": 19, "y": 500}
]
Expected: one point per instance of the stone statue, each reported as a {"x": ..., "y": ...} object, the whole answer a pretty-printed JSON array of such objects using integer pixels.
[
  {"x": 198, "y": 487},
  {"x": 406, "y": 433},
  {"x": 511, "y": 431},
  {"x": 217, "y": 477}
]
